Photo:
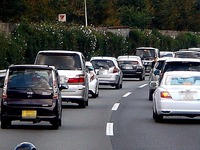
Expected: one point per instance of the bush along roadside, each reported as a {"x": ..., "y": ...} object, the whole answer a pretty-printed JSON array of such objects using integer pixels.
[{"x": 22, "y": 45}]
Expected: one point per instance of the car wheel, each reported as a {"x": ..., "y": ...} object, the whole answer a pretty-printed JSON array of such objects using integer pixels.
[
  {"x": 82, "y": 104},
  {"x": 5, "y": 123},
  {"x": 117, "y": 86},
  {"x": 56, "y": 123},
  {"x": 156, "y": 117},
  {"x": 141, "y": 78},
  {"x": 60, "y": 122},
  {"x": 151, "y": 95}
]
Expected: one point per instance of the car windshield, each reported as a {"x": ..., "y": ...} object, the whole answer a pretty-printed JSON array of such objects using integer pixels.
[
  {"x": 61, "y": 61},
  {"x": 145, "y": 53},
  {"x": 30, "y": 78},
  {"x": 106, "y": 64}
]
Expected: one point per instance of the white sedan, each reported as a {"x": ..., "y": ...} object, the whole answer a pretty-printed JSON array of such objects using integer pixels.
[
  {"x": 93, "y": 80},
  {"x": 177, "y": 95}
]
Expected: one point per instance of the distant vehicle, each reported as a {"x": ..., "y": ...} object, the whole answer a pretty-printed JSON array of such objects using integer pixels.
[
  {"x": 31, "y": 93},
  {"x": 132, "y": 67},
  {"x": 93, "y": 80},
  {"x": 187, "y": 54},
  {"x": 72, "y": 70},
  {"x": 153, "y": 77},
  {"x": 177, "y": 95},
  {"x": 2, "y": 77},
  {"x": 148, "y": 56},
  {"x": 178, "y": 64},
  {"x": 166, "y": 54},
  {"x": 109, "y": 72},
  {"x": 194, "y": 49}
]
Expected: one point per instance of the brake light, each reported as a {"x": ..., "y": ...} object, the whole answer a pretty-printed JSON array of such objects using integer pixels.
[
  {"x": 165, "y": 94},
  {"x": 115, "y": 70},
  {"x": 55, "y": 96},
  {"x": 77, "y": 79}
]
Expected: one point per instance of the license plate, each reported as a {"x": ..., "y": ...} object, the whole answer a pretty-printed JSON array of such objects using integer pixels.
[
  {"x": 129, "y": 67},
  {"x": 29, "y": 114}
]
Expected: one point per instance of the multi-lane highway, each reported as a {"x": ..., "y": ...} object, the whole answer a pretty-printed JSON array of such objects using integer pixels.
[{"x": 116, "y": 120}]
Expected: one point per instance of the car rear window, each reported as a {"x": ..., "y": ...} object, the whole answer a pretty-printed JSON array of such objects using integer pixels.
[
  {"x": 62, "y": 61},
  {"x": 30, "y": 78},
  {"x": 181, "y": 66},
  {"x": 102, "y": 63},
  {"x": 180, "y": 80},
  {"x": 128, "y": 62},
  {"x": 145, "y": 53}
]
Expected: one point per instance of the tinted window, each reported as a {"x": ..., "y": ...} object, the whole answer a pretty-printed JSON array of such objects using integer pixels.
[
  {"x": 159, "y": 65},
  {"x": 187, "y": 55},
  {"x": 30, "y": 78},
  {"x": 62, "y": 61},
  {"x": 145, "y": 53},
  {"x": 102, "y": 63},
  {"x": 182, "y": 66}
]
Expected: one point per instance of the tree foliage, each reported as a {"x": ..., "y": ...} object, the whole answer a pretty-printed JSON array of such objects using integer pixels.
[{"x": 153, "y": 14}]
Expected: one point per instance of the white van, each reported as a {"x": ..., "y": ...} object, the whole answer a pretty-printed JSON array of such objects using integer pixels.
[{"x": 72, "y": 70}]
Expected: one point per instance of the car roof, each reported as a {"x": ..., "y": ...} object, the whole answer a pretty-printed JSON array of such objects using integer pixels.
[
  {"x": 182, "y": 60},
  {"x": 138, "y": 48},
  {"x": 163, "y": 58},
  {"x": 59, "y": 51},
  {"x": 182, "y": 73},
  {"x": 128, "y": 57},
  {"x": 31, "y": 66},
  {"x": 88, "y": 63},
  {"x": 103, "y": 57},
  {"x": 187, "y": 51}
]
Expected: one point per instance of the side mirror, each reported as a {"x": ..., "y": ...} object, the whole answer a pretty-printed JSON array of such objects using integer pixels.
[
  {"x": 156, "y": 72},
  {"x": 97, "y": 72},
  {"x": 63, "y": 86}
]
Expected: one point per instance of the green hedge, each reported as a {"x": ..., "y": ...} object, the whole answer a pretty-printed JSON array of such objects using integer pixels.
[{"x": 22, "y": 45}]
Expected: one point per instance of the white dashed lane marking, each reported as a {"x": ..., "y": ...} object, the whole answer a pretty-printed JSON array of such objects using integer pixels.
[
  {"x": 115, "y": 106},
  {"x": 141, "y": 86},
  {"x": 127, "y": 94},
  {"x": 109, "y": 129}
]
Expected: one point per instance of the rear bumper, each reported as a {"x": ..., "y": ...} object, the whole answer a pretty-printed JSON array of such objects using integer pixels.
[{"x": 42, "y": 113}]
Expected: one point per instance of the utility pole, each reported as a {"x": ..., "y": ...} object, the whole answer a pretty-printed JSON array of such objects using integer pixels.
[{"x": 86, "y": 23}]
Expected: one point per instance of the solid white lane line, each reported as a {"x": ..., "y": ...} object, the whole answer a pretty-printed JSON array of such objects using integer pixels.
[
  {"x": 115, "y": 106},
  {"x": 109, "y": 129},
  {"x": 141, "y": 86},
  {"x": 127, "y": 94}
]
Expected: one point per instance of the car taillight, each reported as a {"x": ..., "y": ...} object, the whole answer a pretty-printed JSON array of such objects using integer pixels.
[
  {"x": 77, "y": 79},
  {"x": 55, "y": 96},
  {"x": 165, "y": 94},
  {"x": 115, "y": 70}
]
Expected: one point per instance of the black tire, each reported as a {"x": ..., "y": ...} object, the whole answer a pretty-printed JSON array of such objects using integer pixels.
[
  {"x": 151, "y": 95},
  {"x": 141, "y": 78},
  {"x": 117, "y": 86},
  {"x": 82, "y": 104},
  {"x": 157, "y": 118},
  {"x": 56, "y": 123},
  {"x": 5, "y": 123},
  {"x": 60, "y": 122}
]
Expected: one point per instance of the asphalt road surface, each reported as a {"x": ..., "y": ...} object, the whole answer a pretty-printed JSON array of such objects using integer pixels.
[{"x": 116, "y": 120}]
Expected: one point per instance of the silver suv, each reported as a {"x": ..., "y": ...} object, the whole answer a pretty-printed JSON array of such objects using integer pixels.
[{"x": 72, "y": 70}]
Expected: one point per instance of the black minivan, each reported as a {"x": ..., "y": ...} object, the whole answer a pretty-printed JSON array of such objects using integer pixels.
[{"x": 31, "y": 93}]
